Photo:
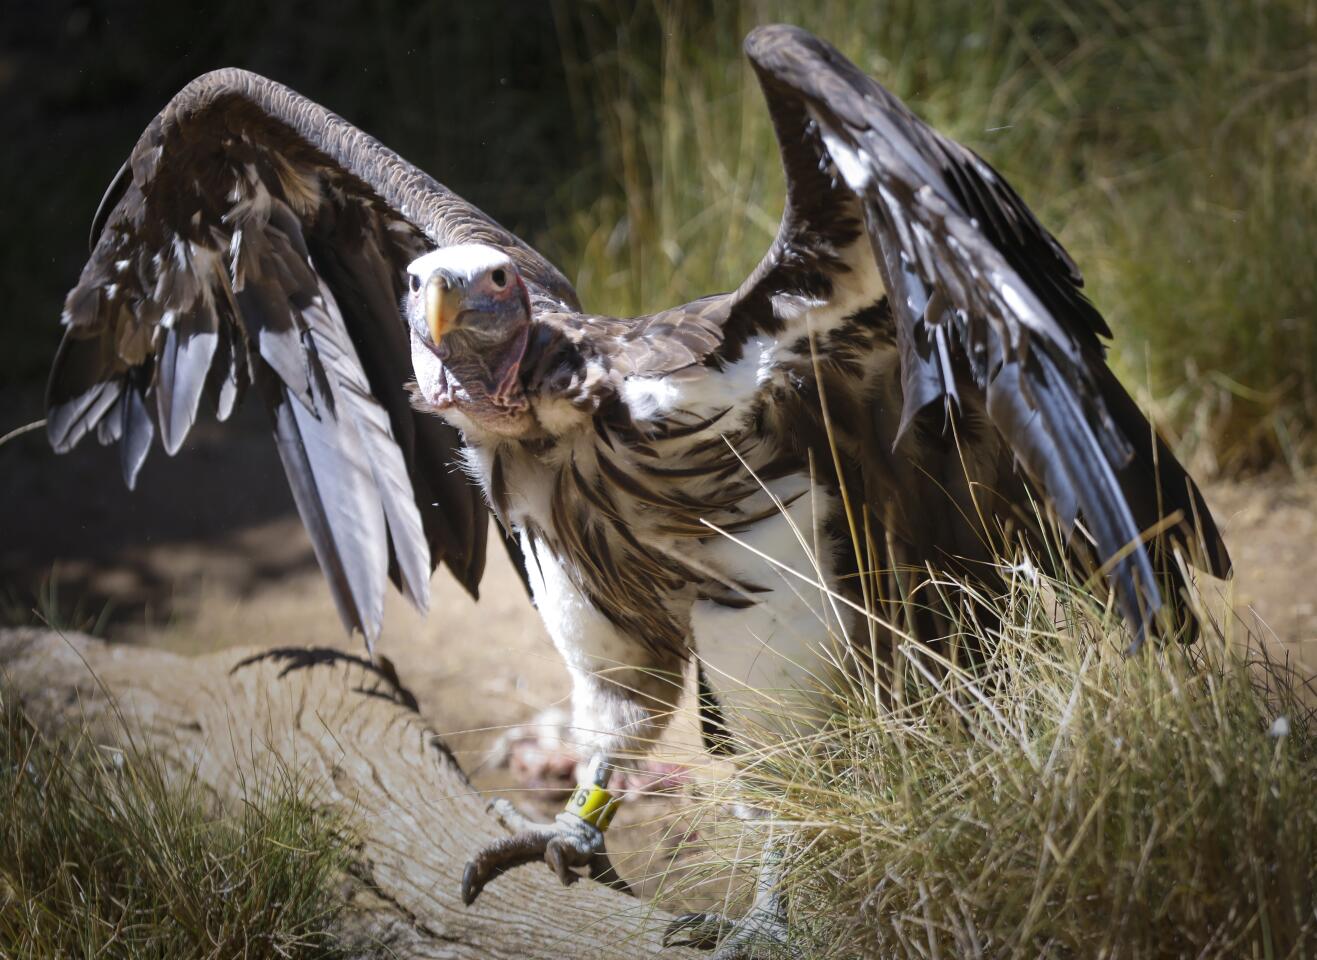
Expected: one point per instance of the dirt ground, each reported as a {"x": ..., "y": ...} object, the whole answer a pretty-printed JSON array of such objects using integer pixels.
[
  {"x": 1270, "y": 526},
  {"x": 208, "y": 552}
]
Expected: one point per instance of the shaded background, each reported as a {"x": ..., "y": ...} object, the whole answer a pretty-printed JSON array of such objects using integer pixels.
[
  {"x": 476, "y": 93},
  {"x": 1171, "y": 145}
]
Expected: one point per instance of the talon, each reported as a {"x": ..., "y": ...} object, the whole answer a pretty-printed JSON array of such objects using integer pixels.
[
  {"x": 566, "y": 843},
  {"x": 471, "y": 884},
  {"x": 699, "y": 930},
  {"x": 502, "y": 855},
  {"x": 761, "y": 931},
  {"x": 555, "y": 857}
]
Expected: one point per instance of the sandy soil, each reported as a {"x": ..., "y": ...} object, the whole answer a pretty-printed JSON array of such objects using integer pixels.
[
  {"x": 1270, "y": 526},
  {"x": 208, "y": 553}
]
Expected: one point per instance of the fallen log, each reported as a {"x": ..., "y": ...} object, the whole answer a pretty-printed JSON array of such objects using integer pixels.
[{"x": 351, "y": 732}]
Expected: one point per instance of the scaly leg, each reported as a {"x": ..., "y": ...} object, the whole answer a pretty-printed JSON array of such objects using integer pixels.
[
  {"x": 762, "y": 932},
  {"x": 623, "y": 691},
  {"x": 575, "y": 838}
]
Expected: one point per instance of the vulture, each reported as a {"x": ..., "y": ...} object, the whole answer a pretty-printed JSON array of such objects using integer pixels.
[{"x": 908, "y": 373}]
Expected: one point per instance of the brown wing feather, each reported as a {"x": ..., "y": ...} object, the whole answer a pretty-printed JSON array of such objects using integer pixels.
[
  {"x": 984, "y": 313},
  {"x": 254, "y": 238},
  {"x": 987, "y": 301}
]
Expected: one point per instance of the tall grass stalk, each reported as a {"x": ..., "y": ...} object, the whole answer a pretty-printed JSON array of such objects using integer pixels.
[{"x": 1058, "y": 799}]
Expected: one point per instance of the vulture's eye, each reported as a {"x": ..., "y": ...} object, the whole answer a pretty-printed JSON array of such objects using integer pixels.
[
  {"x": 500, "y": 278},
  {"x": 416, "y": 283}
]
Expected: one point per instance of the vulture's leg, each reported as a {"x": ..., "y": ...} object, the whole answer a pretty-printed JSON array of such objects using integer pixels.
[
  {"x": 761, "y": 932},
  {"x": 575, "y": 838},
  {"x": 624, "y": 690}
]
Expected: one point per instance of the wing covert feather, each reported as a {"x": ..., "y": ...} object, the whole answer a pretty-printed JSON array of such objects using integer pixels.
[
  {"x": 253, "y": 237},
  {"x": 984, "y": 300}
]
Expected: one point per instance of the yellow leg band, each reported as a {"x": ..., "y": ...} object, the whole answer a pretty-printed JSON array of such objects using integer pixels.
[{"x": 594, "y": 805}]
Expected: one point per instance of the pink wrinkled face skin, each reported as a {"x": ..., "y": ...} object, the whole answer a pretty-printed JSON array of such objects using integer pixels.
[{"x": 468, "y": 312}]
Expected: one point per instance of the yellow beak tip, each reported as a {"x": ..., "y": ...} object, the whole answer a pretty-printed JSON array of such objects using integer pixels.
[{"x": 434, "y": 309}]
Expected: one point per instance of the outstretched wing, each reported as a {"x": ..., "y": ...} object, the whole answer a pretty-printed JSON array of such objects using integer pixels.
[
  {"x": 255, "y": 240},
  {"x": 986, "y": 304}
]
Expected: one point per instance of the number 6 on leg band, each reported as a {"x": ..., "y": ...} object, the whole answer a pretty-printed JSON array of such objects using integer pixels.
[{"x": 593, "y": 804}]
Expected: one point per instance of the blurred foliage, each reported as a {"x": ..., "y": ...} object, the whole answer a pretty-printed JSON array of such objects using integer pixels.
[
  {"x": 51, "y": 604},
  {"x": 1172, "y": 147}
]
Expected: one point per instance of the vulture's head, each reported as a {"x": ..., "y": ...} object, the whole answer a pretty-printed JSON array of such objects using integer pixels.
[{"x": 469, "y": 315}]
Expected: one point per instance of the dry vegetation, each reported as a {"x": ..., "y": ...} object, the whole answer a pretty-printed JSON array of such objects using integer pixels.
[
  {"x": 1061, "y": 800},
  {"x": 104, "y": 854}
]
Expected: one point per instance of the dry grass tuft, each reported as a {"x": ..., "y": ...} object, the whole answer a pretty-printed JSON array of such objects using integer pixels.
[
  {"x": 104, "y": 854},
  {"x": 1060, "y": 800}
]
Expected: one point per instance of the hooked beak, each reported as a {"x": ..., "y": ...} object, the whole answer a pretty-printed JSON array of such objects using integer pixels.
[{"x": 442, "y": 305}]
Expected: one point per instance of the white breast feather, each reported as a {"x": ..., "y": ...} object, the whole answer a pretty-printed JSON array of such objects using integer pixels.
[
  {"x": 790, "y": 636},
  {"x": 701, "y": 392}
]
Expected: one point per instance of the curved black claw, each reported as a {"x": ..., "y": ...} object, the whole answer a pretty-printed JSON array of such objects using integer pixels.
[
  {"x": 566, "y": 843},
  {"x": 699, "y": 930},
  {"x": 760, "y": 933}
]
